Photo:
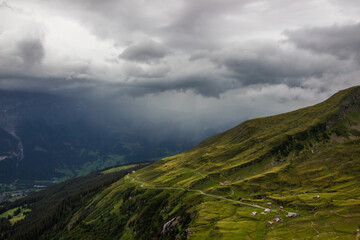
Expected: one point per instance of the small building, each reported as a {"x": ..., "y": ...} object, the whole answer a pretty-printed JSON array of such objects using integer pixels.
[
  {"x": 316, "y": 197},
  {"x": 267, "y": 210},
  {"x": 17, "y": 194},
  {"x": 292, "y": 214},
  {"x": 282, "y": 210},
  {"x": 269, "y": 203},
  {"x": 253, "y": 213},
  {"x": 275, "y": 220}
]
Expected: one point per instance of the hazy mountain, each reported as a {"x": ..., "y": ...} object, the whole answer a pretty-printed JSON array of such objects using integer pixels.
[{"x": 44, "y": 136}]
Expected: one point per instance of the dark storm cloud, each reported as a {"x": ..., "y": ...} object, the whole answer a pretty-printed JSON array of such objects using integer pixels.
[
  {"x": 19, "y": 81},
  {"x": 273, "y": 64},
  {"x": 31, "y": 51},
  {"x": 94, "y": 88},
  {"x": 340, "y": 41},
  {"x": 147, "y": 51},
  {"x": 190, "y": 29},
  {"x": 198, "y": 31},
  {"x": 195, "y": 48},
  {"x": 205, "y": 86}
]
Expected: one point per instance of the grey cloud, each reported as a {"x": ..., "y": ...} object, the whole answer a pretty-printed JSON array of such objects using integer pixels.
[
  {"x": 5, "y": 5},
  {"x": 272, "y": 64},
  {"x": 340, "y": 41},
  {"x": 234, "y": 68},
  {"x": 192, "y": 30},
  {"x": 207, "y": 86},
  {"x": 199, "y": 23},
  {"x": 199, "y": 54},
  {"x": 124, "y": 21},
  {"x": 146, "y": 52},
  {"x": 31, "y": 51},
  {"x": 154, "y": 72},
  {"x": 184, "y": 24}
]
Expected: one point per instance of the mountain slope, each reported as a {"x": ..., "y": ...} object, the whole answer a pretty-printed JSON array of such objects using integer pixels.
[{"x": 306, "y": 161}]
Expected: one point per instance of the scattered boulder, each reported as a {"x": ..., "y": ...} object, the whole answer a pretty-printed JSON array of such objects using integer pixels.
[
  {"x": 267, "y": 210},
  {"x": 292, "y": 214}
]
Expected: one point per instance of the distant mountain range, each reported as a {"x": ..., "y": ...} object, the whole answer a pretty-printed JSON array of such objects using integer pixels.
[
  {"x": 290, "y": 176},
  {"x": 46, "y": 137}
]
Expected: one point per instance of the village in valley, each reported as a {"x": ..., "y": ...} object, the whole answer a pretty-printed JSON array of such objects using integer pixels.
[{"x": 13, "y": 193}]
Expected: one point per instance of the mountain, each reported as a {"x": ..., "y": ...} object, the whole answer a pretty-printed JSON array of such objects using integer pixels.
[
  {"x": 45, "y": 137},
  {"x": 290, "y": 176}
]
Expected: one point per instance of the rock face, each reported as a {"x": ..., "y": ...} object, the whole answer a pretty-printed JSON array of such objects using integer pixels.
[
  {"x": 9, "y": 146},
  {"x": 168, "y": 226}
]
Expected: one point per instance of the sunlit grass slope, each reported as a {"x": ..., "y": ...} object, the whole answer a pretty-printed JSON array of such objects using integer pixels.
[
  {"x": 259, "y": 143},
  {"x": 286, "y": 160}
]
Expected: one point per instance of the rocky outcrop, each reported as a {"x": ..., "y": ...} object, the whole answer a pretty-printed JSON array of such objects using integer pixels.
[{"x": 170, "y": 225}]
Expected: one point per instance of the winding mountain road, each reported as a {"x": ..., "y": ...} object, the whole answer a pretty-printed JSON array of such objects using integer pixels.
[{"x": 143, "y": 185}]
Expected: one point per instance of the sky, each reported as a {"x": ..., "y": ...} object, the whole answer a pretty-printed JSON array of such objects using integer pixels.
[{"x": 201, "y": 63}]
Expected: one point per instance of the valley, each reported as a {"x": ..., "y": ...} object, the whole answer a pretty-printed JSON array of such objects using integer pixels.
[{"x": 46, "y": 139}]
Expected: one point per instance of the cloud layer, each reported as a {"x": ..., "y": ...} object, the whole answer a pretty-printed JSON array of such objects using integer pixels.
[{"x": 195, "y": 57}]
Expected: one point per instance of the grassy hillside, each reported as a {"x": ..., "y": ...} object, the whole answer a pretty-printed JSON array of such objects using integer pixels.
[{"x": 306, "y": 162}]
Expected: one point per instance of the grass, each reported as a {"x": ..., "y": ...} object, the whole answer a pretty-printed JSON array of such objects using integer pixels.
[
  {"x": 15, "y": 218},
  {"x": 116, "y": 169}
]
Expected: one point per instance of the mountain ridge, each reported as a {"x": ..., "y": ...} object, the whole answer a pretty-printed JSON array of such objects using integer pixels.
[
  {"x": 304, "y": 165},
  {"x": 278, "y": 142}
]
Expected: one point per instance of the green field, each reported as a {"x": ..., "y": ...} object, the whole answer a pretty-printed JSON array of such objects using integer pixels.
[
  {"x": 116, "y": 169},
  {"x": 17, "y": 217}
]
